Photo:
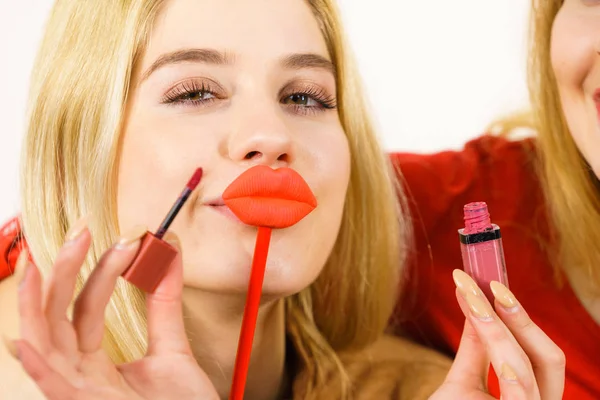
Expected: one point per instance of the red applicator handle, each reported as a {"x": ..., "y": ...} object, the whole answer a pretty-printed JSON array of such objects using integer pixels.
[{"x": 242, "y": 360}]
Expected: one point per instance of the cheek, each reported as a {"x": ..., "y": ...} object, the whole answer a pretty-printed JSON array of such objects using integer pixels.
[
  {"x": 575, "y": 62},
  {"x": 333, "y": 167},
  {"x": 156, "y": 161},
  {"x": 333, "y": 172},
  {"x": 573, "y": 50},
  {"x": 303, "y": 251}
]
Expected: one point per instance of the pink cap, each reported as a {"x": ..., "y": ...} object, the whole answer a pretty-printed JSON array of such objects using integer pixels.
[{"x": 477, "y": 217}]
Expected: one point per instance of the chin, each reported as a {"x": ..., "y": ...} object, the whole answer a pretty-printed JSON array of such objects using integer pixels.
[
  {"x": 280, "y": 280},
  {"x": 218, "y": 264},
  {"x": 279, "y": 283}
]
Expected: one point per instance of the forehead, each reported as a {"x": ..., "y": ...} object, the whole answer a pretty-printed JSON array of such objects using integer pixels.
[{"x": 247, "y": 28}]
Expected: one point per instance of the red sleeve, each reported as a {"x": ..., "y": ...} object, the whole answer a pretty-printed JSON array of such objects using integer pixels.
[{"x": 10, "y": 245}]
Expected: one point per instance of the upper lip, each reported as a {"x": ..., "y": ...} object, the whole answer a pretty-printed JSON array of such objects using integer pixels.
[
  {"x": 265, "y": 182},
  {"x": 253, "y": 187}
]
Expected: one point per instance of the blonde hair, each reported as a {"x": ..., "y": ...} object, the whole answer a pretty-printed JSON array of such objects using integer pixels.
[
  {"x": 78, "y": 95},
  {"x": 569, "y": 185}
]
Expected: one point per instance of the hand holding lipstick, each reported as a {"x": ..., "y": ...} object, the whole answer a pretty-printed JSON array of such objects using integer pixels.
[
  {"x": 528, "y": 364},
  {"x": 65, "y": 357}
]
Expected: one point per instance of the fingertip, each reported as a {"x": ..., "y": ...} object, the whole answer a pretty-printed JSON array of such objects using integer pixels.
[
  {"x": 508, "y": 373},
  {"x": 511, "y": 386},
  {"x": 11, "y": 347},
  {"x": 464, "y": 283},
  {"x": 172, "y": 238},
  {"x": 30, "y": 275},
  {"x": 21, "y": 264},
  {"x": 78, "y": 230},
  {"x": 480, "y": 308},
  {"x": 504, "y": 296},
  {"x": 131, "y": 239}
]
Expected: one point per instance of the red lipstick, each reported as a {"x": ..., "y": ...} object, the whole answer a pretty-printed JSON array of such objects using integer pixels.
[
  {"x": 265, "y": 198},
  {"x": 155, "y": 255},
  {"x": 481, "y": 247}
]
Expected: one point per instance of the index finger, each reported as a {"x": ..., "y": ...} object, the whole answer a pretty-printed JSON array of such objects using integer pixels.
[{"x": 166, "y": 330}]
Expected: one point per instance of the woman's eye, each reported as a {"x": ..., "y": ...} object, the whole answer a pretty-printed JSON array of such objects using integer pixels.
[
  {"x": 300, "y": 99},
  {"x": 192, "y": 94},
  {"x": 196, "y": 96}
]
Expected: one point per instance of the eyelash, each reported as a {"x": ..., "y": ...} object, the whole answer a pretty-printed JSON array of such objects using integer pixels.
[
  {"x": 180, "y": 96},
  {"x": 319, "y": 95},
  {"x": 181, "y": 93}
]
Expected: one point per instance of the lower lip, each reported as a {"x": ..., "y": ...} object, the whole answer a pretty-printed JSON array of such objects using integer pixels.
[
  {"x": 275, "y": 213},
  {"x": 226, "y": 211}
]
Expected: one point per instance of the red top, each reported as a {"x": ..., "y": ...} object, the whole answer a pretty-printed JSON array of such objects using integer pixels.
[
  {"x": 501, "y": 173},
  {"x": 10, "y": 245}
]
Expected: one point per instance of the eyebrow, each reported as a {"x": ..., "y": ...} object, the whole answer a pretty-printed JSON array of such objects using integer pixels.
[
  {"x": 207, "y": 56},
  {"x": 308, "y": 60},
  {"x": 295, "y": 61}
]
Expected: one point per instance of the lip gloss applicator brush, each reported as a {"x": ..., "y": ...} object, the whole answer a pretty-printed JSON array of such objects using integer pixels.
[{"x": 155, "y": 255}]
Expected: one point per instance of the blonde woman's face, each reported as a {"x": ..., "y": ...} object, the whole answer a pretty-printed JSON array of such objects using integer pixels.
[
  {"x": 227, "y": 85},
  {"x": 575, "y": 48}
]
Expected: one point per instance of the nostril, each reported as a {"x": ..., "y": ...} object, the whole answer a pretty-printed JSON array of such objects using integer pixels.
[{"x": 255, "y": 155}]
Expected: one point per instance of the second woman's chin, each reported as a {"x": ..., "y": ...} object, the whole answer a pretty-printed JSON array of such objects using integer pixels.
[{"x": 584, "y": 126}]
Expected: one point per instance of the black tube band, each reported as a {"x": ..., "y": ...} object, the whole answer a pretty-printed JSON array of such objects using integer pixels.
[{"x": 480, "y": 237}]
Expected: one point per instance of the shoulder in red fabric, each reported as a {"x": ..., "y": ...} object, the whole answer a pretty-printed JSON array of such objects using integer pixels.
[
  {"x": 502, "y": 173},
  {"x": 10, "y": 246}
]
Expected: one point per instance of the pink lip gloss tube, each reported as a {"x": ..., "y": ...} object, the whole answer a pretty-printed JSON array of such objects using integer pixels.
[{"x": 481, "y": 247}]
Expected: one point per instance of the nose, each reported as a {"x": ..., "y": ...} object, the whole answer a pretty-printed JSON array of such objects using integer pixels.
[{"x": 261, "y": 137}]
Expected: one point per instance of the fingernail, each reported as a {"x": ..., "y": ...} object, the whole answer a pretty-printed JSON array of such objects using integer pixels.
[
  {"x": 173, "y": 240},
  {"x": 465, "y": 283},
  {"x": 77, "y": 229},
  {"x": 479, "y": 307},
  {"x": 507, "y": 373},
  {"x": 11, "y": 347},
  {"x": 21, "y": 265},
  {"x": 131, "y": 238},
  {"x": 504, "y": 296}
]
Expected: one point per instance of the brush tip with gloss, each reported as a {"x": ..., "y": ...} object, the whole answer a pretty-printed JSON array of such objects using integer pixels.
[{"x": 195, "y": 179}]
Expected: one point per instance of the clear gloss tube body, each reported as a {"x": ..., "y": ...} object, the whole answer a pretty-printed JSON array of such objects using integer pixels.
[{"x": 481, "y": 248}]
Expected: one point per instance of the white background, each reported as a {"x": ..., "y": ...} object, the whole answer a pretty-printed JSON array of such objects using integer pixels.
[{"x": 436, "y": 72}]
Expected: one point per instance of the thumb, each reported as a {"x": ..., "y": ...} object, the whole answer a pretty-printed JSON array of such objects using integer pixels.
[
  {"x": 471, "y": 364},
  {"x": 166, "y": 331}
]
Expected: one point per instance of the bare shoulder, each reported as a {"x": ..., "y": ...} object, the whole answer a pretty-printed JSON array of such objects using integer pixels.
[
  {"x": 396, "y": 368},
  {"x": 14, "y": 382}
]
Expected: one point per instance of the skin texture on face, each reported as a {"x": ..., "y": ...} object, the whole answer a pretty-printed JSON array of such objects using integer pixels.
[
  {"x": 226, "y": 85},
  {"x": 575, "y": 46}
]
